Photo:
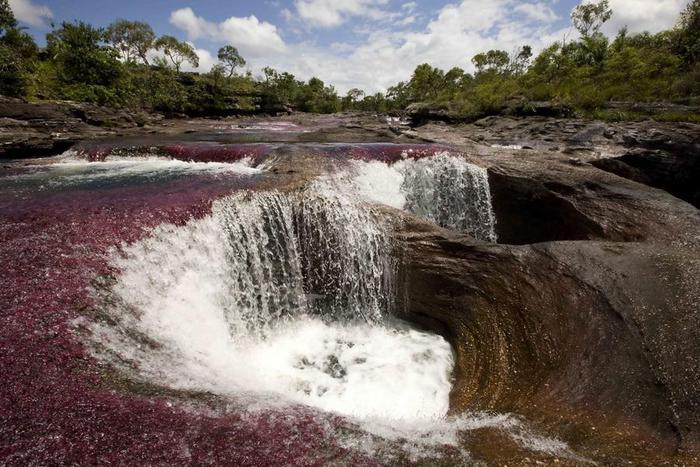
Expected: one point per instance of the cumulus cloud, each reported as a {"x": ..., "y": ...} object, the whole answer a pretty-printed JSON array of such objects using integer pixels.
[
  {"x": 537, "y": 11},
  {"x": 254, "y": 38},
  {"x": 206, "y": 61},
  {"x": 390, "y": 51},
  {"x": 644, "y": 15},
  {"x": 330, "y": 13},
  {"x": 388, "y": 55},
  {"x": 27, "y": 12}
]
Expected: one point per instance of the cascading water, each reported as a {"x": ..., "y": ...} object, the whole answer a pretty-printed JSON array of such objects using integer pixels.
[
  {"x": 279, "y": 298},
  {"x": 443, "y": 189},
  {"x": 274, "y": 293}
]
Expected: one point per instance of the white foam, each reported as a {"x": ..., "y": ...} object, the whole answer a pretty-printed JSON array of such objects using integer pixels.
[
  {"x": 217, "y": 306},
  {"x": 516, "y": 147},
  {"x": 443, "y": 188},
  {"x": 69, "y": 170},
  {"x": 224, "y": 308}
]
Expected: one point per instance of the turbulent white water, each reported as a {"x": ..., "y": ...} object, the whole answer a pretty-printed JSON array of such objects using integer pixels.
[
  {"x": 70, "y": 170},
  {"x": 285, "y": 299},
  {"x": 278, "y": 294},
  {"x": 443, "y": 189}
]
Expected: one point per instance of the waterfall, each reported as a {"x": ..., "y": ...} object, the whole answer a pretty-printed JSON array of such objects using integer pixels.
[
  {"x": 263, "y": 279},
  {"x": 452, "y": 193},
  {"x": 443, "y": 189},
  {"x": 315, "y": 252},
  {"x": 345, "y": 255},
  {"x": 282, "y": 293}
]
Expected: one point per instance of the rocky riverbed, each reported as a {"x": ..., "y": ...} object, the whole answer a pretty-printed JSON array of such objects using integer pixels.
[{"x": 579, "y": 321}]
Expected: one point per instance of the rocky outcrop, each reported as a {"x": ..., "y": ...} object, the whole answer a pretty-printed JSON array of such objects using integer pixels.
[
  {"x": 592, "y": 338},
  {"x": 662, "y": 159},
  {"x": 421, "y": 113},
  {"x": 47, "y": 128},
  {"x": 589, "y": 355}
]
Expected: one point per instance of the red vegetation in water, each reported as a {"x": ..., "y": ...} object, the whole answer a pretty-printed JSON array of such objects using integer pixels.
[
  {"x": 215, "y": 152},
  {"x": 386, "y": 152},
  {"x": 53, "y": 406},
  {"x": 186, "y": 151}
]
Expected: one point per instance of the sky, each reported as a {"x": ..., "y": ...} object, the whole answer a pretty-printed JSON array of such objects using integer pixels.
[{"x": 368, "y": 44}]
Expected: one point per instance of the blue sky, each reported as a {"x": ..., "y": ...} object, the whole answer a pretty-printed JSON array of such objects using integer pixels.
[{"x": 370, "y": 44}]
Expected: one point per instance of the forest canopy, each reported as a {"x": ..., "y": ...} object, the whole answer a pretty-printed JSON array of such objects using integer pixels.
[{"x": 126, "y": 65}]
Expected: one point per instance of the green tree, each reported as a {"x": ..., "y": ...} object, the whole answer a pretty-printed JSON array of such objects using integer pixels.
[
  {"x": 688, "y": 34},
  {"x": 177, "y": 52},
  {"x": 17, "y": 54},
  {"x": 79, "y": 53},
  {"x": 521, "y": 60},
  {"x": 230, "y": 59},
  {"x": 7, "y": 18},
  {"x": 132, "y": 39},
  {"x": 352, "y": 99},
  {"x": 426, "y": 83},
  {"x": 588, "y": 18},
  {"x": 493, "y": 61}
]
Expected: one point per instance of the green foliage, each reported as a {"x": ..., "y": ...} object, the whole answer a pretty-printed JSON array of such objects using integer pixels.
[
  {"x": 7, "y": 18},
  {"x": 80, "y": 55},
  {"x": 176, "y": 52},
  {"x": 283, "y": 90},
  {"x": 493, "y": 61},
  {"x": 230, "y": 59},
  {"x": 132, "y": 39},
  {"x": 111, "y": 67},
  {"x": 17, "y": 61},
  {"x": 687, "y": 34},
  {"x": 17, "y": 54},
  {"x": 588, "y": 18}
]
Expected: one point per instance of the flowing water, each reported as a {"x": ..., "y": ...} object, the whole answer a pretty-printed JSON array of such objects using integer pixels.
[
  {"x": 280, "y": 298},
  {"x": 443, "y": 189},
  {"x": 276, "y": 293}
]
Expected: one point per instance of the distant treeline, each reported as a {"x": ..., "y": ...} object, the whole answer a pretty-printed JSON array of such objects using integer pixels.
[{"x": 125, "y": 65}]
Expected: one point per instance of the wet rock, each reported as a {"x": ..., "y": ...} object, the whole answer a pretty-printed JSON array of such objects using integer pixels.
[{"x": 580, "y": 336}]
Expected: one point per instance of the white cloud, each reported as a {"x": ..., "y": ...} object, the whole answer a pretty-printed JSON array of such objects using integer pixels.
[
  {"x": 206, "y": 61},
  {"x": 330, "y": 13},
  {"x": 644, "y": 15},
  {"x": 27, "y": 12},
  {"x": 254, "y": 38},
  {"x": 386, "y": 56},
  {"x": 410, "y": 6},
  {"x": 537, "y": 11}
]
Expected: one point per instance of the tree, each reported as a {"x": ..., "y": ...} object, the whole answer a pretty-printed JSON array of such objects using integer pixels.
[
  {"x": 17, "y": 61},
  {"x": 426, "y": 82},
  {"x": 495, "y": 61},
  {"x": 352, "y": 98},
  {"x": 588, "y": 18},
  {"x": 7, "y": 18},
  {"x": 688, "y": 33},
  {"x": 78, "y": 51},
  {"x": 230, "y": 59},
  {"x": 177, "y": 52},
  {"x": 132, "y": 39},
  {"x": 521, "y": 60}
]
